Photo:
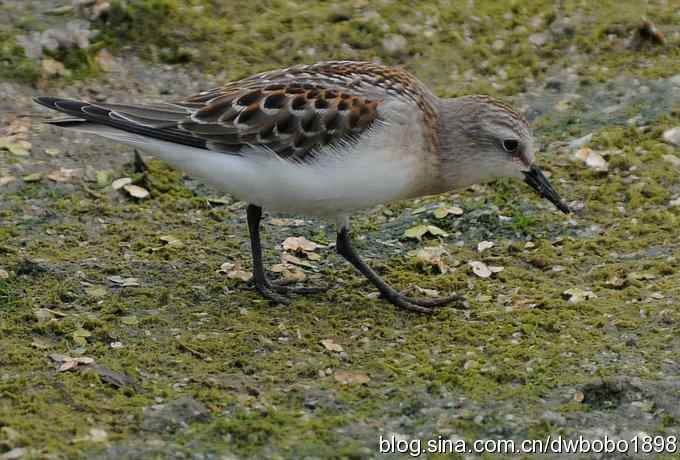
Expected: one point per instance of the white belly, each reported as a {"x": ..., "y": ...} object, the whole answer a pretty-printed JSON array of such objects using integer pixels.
[{"x": 335, "y": 183}]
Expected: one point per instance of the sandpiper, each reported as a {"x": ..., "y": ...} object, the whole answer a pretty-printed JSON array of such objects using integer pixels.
[{"x": 326, "y": 140}]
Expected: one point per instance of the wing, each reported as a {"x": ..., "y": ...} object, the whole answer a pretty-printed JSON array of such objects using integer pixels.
[
  {"x": 295, "y": 110},
  {"x": 290, "y": 112},
  {"x": 288, "y": 117}
]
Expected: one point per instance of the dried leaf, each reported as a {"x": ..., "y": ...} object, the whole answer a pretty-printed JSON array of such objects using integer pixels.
[
  {"x": 300, "y": 243},
  {"x": 576, "y": 295},
  {"x": 4, "y": 274},
  {"x": 287, "y": 222},
  {"x": 171, "y": 241},
  {"x": 615, "y": 282},
  {"x": 480, "y": 269},
  {"x": 43, "y": 314},
  {"x": 68, "y": 363},
  {"x": 291, "y": 259},
  {"x": 351, "y": 378},
  {"x": 35, "y": 177},
  {"x": 120, "y": 183},
  {"x": 67, "y": 366},
  {"x": 330, "y": 345},
  {"x": 442, "y": 212},
  {"x": 672, "y": 136},
  {"x": 242, "y": 275},
  {"x": 124, "y": 282},
  {"x": 17, "y": 147},
  {"x": 97, "y": 291},
  {"x": 417, "y": 232},
  {"x": 4, "y": 180},
  {"x": 19, "y": 126},
  {"x": 234, "y": 271},
  {"x": 289, "y": 273},
  {"x": 63, "y": 175},
  {"x": 136, "y": 191},
  {"x": 484, "y": 245},
  {"x": 426, "y": 292},
  {"x": 226, "y": 267},
  {"x": 52, "y": 68},
  {"x": 432, "y": 256},
  {"x": 97, "y": 435},
  {"x": 592, "y": 159}
]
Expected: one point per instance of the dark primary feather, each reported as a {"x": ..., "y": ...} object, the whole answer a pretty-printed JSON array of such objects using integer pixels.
[{"x": 84, "y": 112}]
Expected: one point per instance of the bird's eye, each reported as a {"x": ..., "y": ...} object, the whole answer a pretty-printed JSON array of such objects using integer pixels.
[{"x": 510, "y": 145}]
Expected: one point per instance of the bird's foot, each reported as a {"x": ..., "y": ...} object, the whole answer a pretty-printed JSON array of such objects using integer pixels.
[
  {"x": 432, "y": 301},
  {"x": 421, "y": 305},
  {"x": 278, "y": 292},
  {"x": 271, "y": 294},
  {"x": 284, "y": 288}
]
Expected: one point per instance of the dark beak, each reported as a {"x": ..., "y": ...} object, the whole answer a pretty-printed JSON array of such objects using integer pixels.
[{"x": 539, "y": 182}]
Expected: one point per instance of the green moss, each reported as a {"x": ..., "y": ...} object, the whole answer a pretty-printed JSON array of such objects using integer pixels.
[
  {"x": 187, "y": 330},
  {"x": 138, "y": 22},
  {"x": 79, "y": 63},
  {"x": 14, "y": 65},
  {"x": 240, "y": 39},
  {"x": 254, "y": 35}
]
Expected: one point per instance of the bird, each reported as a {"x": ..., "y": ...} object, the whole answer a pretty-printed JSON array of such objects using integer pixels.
[{"x": 325, "y": 140}]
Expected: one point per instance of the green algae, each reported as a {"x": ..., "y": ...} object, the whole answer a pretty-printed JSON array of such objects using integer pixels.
[
  {"x": 489, "y": 39},
  {"x": 238, "y": 40},
  {"x": 14, "y": 65},
  {"x": 257, "y": 367}
]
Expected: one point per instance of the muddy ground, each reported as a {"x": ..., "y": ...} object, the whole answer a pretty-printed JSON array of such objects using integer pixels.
[{"x": 124, "y": 335}]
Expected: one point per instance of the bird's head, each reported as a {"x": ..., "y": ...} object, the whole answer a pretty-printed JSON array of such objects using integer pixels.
[{"x": 484, "y": 139}]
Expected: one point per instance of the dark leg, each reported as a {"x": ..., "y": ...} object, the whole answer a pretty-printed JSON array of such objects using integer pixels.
[
  {"x": 269, "y": 290},
  {"x": 345, "y": 249},
  {"x": 139, "y": 164},
  {"x": 254, "y": 215}
]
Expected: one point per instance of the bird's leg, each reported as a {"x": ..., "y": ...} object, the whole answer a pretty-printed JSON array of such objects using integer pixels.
[
  {"x": 265, "y": 287},
  {"x": 139, "y": 164},
  {"x": 345, "y": 249},
  {"x": 254, "y": 215}
]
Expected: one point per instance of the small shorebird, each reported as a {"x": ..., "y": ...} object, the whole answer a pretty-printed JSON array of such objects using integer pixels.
[{"x": 325, "y": 140}]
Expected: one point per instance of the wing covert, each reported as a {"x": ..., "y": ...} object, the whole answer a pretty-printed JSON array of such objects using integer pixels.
[{"x": 291, "y": 119}]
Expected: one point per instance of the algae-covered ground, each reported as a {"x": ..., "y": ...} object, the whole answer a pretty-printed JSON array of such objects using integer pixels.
[{"x": 124, "y": 336}]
